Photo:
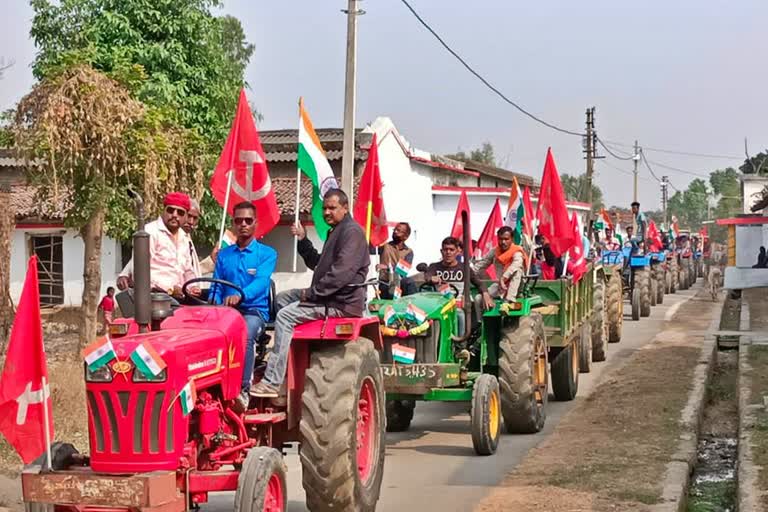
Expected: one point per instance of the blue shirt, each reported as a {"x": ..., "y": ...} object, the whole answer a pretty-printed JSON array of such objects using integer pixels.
[{"x": 251, "y": 269}]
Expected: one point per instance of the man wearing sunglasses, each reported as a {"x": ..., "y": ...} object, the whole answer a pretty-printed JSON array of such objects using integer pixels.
[
  {"x": 202, "y": 267},
  {"x": 249, "y": 264},
  {"x": 170, "y": 262}
]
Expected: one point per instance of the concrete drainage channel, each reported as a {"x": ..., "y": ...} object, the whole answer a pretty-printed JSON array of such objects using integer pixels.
[{"x": 714, "y": 484}]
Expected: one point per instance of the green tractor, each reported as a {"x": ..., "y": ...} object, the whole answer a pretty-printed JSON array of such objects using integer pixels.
[{"x": 502, "y": 369}]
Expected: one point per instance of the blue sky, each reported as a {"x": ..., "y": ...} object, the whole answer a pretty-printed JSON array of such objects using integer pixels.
[{"x": 680, "y": 75}]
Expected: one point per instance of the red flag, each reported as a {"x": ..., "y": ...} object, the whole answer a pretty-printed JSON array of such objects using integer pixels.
[
  {"x": 243, "y": 155},
  {"x": 528, "y": 216},
  {"x": 458, "y": 226},
  {"x": 577, "y": 262},
  {"x": 24, "y": 385},
  {"x": 369, "y": 208},
  {"x": 487, "y": 241},
  {"x": 552, "y": 213},
  {"x": 655, "y": 237},
  {"x": 703, "y": 233}
]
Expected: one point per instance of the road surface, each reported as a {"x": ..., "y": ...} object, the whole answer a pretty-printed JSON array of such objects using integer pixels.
[{"x": 434, "y": 467}]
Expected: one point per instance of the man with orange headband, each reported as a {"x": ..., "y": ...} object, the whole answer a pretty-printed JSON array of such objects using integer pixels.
[
  {"x": 509, "y": 260},
  {"x": 170, "y": 261}
]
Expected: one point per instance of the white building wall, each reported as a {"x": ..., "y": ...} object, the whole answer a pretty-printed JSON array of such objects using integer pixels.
[{"x": 72, "y": 256}]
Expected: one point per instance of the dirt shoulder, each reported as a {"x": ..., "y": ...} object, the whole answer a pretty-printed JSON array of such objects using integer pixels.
[{"x": 610, "y": 452}]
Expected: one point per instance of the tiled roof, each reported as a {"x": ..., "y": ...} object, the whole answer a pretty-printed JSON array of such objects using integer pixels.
[
  {"x": 8, "y": 159},
  {"x": 496, "y": 172},
  {"x": 26, "y": 204},
  {"x": 285, "y": 193},
  {"x": 282, "y": 145}
]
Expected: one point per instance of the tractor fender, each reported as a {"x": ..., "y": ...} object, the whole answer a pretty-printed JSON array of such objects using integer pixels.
[{"x": 340, "y": 329}]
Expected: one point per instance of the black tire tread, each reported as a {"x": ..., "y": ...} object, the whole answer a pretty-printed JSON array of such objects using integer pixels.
[
  {"x": 260, "y": 464},
  {"x": 599, "y": 321}
]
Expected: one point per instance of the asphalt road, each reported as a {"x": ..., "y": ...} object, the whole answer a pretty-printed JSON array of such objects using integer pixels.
[{"x": 434, "y": 467}]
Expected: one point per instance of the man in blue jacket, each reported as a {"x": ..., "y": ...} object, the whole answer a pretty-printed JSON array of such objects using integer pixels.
[{"x": 248, "y": 264}]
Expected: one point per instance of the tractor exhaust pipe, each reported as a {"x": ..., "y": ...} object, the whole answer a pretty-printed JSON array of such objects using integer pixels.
[
  {"x": 467, "y": 244},
  {"x": 141, "y": 284}
]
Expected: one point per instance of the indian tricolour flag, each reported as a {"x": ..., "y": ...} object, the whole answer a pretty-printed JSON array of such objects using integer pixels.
[
  {"x": 315, "y": 166},
  {"x": 403, "y": 354},
  {"x": 147, "y": 360},
  {"x": 228, "y": 239},
  {"x": 515, "y": 211},
  {"x": 188, "y": 397},
  {"x": 389, "y": 315},
  {"x": 402, "y": 268},
  {"x": 99, "y": 353},
  {"x": 416, "y": 313},
  {"x": 605, "y": 219}
]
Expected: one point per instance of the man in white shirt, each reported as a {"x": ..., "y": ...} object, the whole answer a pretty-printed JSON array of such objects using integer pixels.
[
  {"x": 170, "y": 259},
  {"x": 207, "y": 265}
]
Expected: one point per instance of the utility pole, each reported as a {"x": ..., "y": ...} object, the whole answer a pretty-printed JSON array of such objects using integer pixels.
[
  {"x": 348, "y": 149},
  {"x": 635, "y": 159},
  {"x": 664, "y": 197},
  {"x": 590, "y": 150}
]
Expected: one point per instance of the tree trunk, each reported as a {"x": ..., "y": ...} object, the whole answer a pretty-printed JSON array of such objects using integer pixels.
[
  {"x": 92, "y": 233},
  {"x": 7, "y": 224}
]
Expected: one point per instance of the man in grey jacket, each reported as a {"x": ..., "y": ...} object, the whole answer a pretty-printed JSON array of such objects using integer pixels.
[{"x": 344, "y": 261}]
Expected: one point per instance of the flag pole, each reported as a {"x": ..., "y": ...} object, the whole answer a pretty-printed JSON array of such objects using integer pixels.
[
  {"x": 46, "y": 423},
  {"x": 226, "y": 207},
  {"x": 296, "y": 216}
]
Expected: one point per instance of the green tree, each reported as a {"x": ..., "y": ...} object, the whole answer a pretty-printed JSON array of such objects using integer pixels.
[
  {"x": 726, "y": 185},
  {"x": 575, "y": 188},
  {"x": 175, "y": 56},
  {"x": 484, "y": 155},
  {"x": 756, "y": 164},
  {"x": 690, "y": 205}
]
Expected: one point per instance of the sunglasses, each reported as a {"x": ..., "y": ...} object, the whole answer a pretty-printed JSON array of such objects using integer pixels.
[
  {"x": 170, "y": 210},
  {"x": 244, "y": 220}
]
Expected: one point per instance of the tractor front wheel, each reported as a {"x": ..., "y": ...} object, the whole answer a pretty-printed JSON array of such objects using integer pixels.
[
  {"x": 565, "y": 373},
  {"x": 635, "y": 300},
  {"x": 660, "y": 281},
  {"x": 342, "y": 428},
  {"x": 654, "y": 284},
  {"x": 599, "y": 321},
  {"x": 585, "y": 348},
  {"x": 524, "y": 376},
  {"x": 399, "y": 415},
  {"x": 615, "y": 307},
  {"x": 643, "y": 278},
  {"x": 261, "y": 485},
  {"x": 485, "y": 414}
]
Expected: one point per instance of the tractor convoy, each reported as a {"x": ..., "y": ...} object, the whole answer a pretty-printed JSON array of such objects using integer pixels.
[{"x": 154, "y": 447}]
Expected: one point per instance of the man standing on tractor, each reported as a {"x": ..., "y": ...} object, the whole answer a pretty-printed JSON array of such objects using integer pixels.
[
  {"x": 169, "y": 257},
  {"x": 509, "y": 261},
  {"x": 249, "y": 264},
  {"x": 639, "y": 221},
  {"x": 449, "y": 271},
  {"x": 391, "y": 254},
  {"x": 336, "y": 289}
]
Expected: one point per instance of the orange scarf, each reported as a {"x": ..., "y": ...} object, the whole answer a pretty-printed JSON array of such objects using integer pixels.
[{"x": 505, "y": 258}]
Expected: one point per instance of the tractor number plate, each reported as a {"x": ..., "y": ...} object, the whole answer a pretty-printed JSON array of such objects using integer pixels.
[{"x": 418, "y": 379}]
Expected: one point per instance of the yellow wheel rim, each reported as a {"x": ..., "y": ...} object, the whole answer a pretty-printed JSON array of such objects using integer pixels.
[{"x": 493, "y": 414}]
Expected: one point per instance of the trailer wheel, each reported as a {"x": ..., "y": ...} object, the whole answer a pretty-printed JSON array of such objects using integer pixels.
[
  {"x": 261, "y": 485},
  {"x": 615, "y": 308},
  {"x": 643, "y": 277},
  {"x": 585, "y": 347},
  {"x": 565, "y": 373},
  {"x": 485, "y": 414},
  {"x": 399, "y": 415},
  {"x": 599, "y": 321},
  {"x": 524, "y": 376},
  {"x": 342, "y": 428}
]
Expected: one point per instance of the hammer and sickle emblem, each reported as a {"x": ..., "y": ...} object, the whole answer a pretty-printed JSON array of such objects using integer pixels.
[{"x": 250, "y": 158}]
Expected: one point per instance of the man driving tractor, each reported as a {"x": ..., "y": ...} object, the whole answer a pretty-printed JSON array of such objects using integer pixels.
[
  {"x": 509, "y": 261},
  {"x": 336, "y": 291},
  {"x": 248, "y": 264}
]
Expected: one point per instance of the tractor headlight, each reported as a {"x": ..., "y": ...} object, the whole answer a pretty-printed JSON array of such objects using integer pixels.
[
  {"x": 102, "y": 374},
  {"x": 140, "y": 377}
]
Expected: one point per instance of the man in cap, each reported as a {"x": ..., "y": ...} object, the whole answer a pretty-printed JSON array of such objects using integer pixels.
[{"x": 169, "y": 256}]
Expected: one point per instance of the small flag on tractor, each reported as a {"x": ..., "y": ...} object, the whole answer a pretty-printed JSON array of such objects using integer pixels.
[
  {"x": 99, "y": 353},
  {"x": 228, "y": 239},
  {"x": 397, "y": 293},
  {"x": 147, "y": 360},
  {"x": 415, "y": 313},
  {"x": 402, "y": 268},
  {"x": 389, "y": 315},
  {"x": 403, "y": 354},
  {"x": 188, "y": 397},
  {"x": 445, "y": 289}
]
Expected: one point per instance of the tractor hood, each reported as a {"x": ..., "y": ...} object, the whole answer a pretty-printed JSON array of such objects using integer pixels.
[{"x": 434, "y": 304}]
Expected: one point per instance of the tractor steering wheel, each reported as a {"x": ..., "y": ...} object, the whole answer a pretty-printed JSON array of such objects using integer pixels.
[
  {"x": 216, "y": 282},
  {"x": 430, "y": 287}
]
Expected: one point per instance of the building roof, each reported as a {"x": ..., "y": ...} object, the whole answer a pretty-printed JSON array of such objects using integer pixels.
[
  {"x": 743, "y": 220},
  {"x": 26, "y": 204},
  {"x": 285, "y": 193},
  {"x": 497, "y": 172},
  {"x": 282, "y": 145}
]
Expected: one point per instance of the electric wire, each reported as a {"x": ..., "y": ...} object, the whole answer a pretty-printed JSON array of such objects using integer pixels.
[
  {"x": 614, "y": 155},
  {"x": 674, "y": 152}
]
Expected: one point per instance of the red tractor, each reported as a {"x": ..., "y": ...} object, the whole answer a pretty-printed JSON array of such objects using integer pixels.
[{"x": 147, "y": 455}]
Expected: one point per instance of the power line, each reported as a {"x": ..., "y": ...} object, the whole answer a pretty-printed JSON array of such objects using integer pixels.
[
  {"x": 614, "y": 155},
  {"x": 680, "y": 170},
  {"x": 642, "y": 155},
  {"x": 674, "y": 152},
  {"x": 624, "y": 171},
  {"x": 483, "y": 80}
]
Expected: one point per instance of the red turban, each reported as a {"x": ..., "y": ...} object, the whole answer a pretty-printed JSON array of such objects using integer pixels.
[{"x": 178, "y": 199}]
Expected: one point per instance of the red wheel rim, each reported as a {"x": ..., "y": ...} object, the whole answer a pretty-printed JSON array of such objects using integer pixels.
[
  {"x": 273, "y": 499},
  {"x": 366, "y": 429}
]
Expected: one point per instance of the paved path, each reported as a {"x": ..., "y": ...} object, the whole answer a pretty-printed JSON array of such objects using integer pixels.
[{"x": 433, "y": 465}]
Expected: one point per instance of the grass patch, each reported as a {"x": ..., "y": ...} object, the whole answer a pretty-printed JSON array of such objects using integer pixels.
[
  {"x": 758, "y": 360},
  {"x": 712, "y": 497}
]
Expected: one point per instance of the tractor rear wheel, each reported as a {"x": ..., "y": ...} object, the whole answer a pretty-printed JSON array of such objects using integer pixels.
[
  {"x": 635, "y": 300},
  {"x": 565, "y": 373},
  {"x": 342, "y": 428},
  {"x": 261, "y": 485},
  {"x": 683, "y": 278},
  {"x": 486, "y": 414},
  {"x": 673, "y": 279},
  {"x": 599, "y": 321},
  {"x": 399, "y": 415},
  {"x": 585, "y": 347},
  {"x": 615, "y": 307},
  {"x": 524, "y": 375},
  {"x": 644, "y": 278}
]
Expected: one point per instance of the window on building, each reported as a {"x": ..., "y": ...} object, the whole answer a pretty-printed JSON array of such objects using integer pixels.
[{"x": 50, "y": 268}]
